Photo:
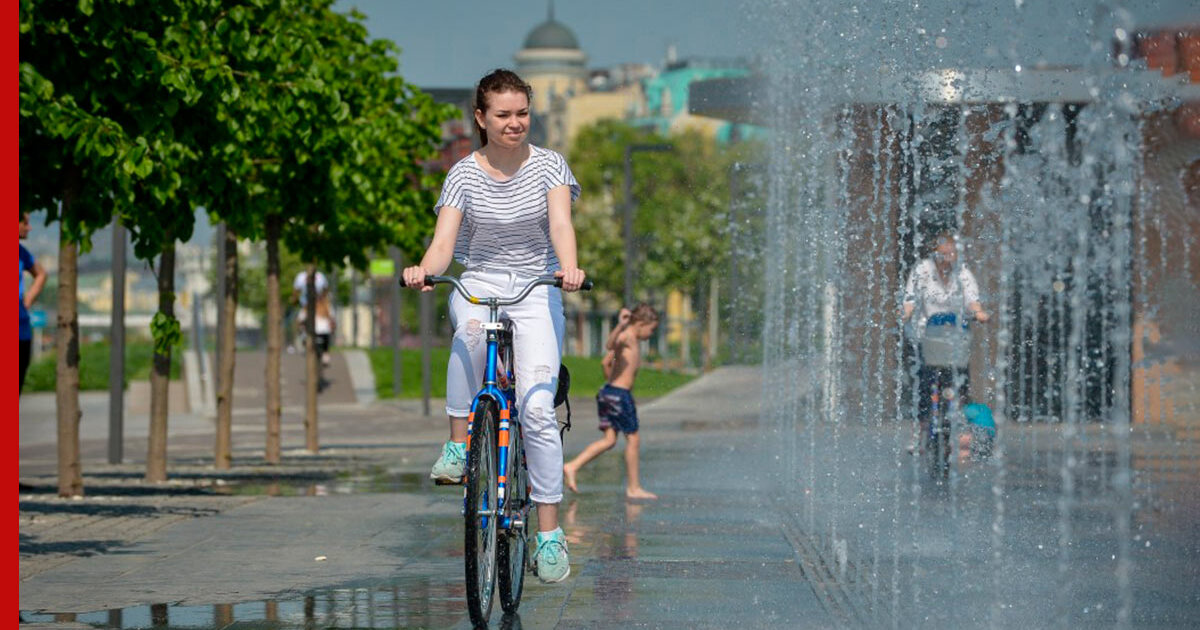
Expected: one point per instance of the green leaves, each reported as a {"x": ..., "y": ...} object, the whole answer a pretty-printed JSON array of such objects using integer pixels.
[
  {"x": 681, "y": 207},
  {"x": 166, "y": 332},
  {"x": 244, "y": 107}
]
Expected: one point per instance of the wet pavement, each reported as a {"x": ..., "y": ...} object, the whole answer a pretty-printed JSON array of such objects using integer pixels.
[
  {"x": 379, "y": 546},
  {"x": 852, "y": 535}
]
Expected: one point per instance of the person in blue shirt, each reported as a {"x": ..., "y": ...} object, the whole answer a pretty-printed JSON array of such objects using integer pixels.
[
  {"x": 979, "y": 438},
  {"x": 31, "y": 266}
]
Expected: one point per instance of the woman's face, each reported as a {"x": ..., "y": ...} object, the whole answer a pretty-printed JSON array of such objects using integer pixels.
[
  {"x": 946, "y": 254},
  {"x": 506, "y": 121}
]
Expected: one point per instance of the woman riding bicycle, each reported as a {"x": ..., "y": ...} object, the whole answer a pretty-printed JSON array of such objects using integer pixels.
[
  {"x": 938, "y": 286},
  {"x": 505, "y": 214}
]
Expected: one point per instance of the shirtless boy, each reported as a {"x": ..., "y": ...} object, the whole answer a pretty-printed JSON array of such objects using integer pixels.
[{"x": 615, "y": 400}]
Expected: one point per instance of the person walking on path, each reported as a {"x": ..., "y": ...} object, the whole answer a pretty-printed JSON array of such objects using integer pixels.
[
  {"x": 618, "y": 412},
  {"x": 31, "y": 266},
  {"x": 505, "y": 214}
]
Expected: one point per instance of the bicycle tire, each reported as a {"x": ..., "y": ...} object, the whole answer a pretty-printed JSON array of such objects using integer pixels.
[
  {"x": 480, "y": 521},
  {"x": 938, "y": 447},
  {"x": 513, "y": 548}
]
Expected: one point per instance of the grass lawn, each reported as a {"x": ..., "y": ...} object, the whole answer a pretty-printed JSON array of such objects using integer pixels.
[
  {"x": 94, "y": 367},
  {"x": 586, "y": 375}
]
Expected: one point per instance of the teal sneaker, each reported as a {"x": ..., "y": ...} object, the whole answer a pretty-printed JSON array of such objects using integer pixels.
[
  {"x": 452, "y": 465},
  {"x": 551, "y": 557}
]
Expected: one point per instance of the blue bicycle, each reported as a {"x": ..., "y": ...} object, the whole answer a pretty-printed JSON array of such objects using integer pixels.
[{"x": 496, "y": 501}]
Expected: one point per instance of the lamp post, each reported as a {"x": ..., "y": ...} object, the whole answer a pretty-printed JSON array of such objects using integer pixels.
[
  {"x": 116, "y": 365},
  {"x": 630, "y": 253}
]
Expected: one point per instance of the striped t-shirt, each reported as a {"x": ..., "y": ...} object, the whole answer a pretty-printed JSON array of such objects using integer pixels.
[{"x": 506, "y": 224}]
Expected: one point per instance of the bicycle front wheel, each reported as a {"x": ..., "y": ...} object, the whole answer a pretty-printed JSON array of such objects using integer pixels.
[
  {"x": 938, "y": 447},
  {"x": 481, "y": 517},
  {"x": 514, "y": 541}
]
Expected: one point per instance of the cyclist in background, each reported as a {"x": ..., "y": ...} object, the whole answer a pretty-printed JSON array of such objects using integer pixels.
[
  {"x": 505, "y": 214},
  {"x": 298, "y": 306},
  {"x": 939, "y": 284}
]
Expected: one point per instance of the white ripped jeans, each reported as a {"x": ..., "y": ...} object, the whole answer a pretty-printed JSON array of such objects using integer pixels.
[{"x": 538, "y": 329}]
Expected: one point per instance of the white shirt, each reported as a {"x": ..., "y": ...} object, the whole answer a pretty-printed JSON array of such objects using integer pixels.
[
  {"x": 301, "y": 285},
  {"x": 929, "y": 295}
]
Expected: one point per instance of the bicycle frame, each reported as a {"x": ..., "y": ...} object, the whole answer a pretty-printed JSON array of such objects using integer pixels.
[
  {"x": 505, "y": 398},
  {"x": 943, "y": 423}
]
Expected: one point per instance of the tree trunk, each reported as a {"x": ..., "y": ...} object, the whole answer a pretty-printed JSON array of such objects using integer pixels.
[
  {"x": 223, "y": 449},
  {"x": 685, "y": 333},
  {"x": 312, "y": 369},
  {"x": 714, "y": 323},
  {"x": 160, "y": 376},
  {"x": 274, "y": 341},
  {"x": 66, "y": 387}
]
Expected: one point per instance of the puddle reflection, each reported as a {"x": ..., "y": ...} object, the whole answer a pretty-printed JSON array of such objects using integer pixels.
[
  {"x": 365, "y": 481},
  {"x": 409, "y": 603}
]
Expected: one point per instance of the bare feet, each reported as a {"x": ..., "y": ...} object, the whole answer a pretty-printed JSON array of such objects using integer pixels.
[
  {"x": 569, "y": 477},
  {"x": 639, "y": 493}
]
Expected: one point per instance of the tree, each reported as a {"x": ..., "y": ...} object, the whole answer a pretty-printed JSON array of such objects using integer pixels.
[
  {"x": 174, "y": 115},
  {"x": 597, "y": 160},
  {"x": 365, "y": 187},
  {"x": 93, "y": 90},
  {"x": 278, "y": 116},
  {"x": 681, "y": 201},
  {"x": 329, "y": 146}
]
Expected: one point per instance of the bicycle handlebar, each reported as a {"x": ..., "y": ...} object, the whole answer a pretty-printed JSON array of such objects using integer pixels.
[{"x": 539, "y": 281}]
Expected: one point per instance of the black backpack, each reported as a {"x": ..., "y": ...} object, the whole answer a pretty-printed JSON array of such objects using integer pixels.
[{"x": 560, "y": 398}]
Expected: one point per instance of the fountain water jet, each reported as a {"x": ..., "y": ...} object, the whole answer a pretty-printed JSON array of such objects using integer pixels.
[{"x": 1062, "y": 156}]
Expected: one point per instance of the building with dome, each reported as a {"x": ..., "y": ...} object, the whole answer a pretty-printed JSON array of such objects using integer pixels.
[
  {"x": 568, "y": 96},
  {"x": 551, "y": 60},
  {"x": 554, "y": 65}
]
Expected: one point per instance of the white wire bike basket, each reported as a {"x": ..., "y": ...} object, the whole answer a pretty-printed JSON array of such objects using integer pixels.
[{"x": 946, "y": 342}]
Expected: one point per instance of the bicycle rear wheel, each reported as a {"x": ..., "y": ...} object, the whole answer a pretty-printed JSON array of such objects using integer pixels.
[
  {"x": 480, "y": 516},
  {"x": 513, "y": 546}
]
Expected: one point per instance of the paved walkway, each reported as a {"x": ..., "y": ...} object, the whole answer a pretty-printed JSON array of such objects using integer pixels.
[
  {"x": 280, "y": 539},
  {"x": 851, "y": 535}
]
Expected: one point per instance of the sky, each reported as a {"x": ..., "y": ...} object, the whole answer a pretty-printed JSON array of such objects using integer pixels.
[{"x": 451, "y": 43}]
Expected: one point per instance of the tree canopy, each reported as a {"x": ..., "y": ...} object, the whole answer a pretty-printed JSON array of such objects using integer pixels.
[
  {"x": 682, "y": 206},
  {"x": 279, "y": 117},
  {"x": 147, "y": 110}
]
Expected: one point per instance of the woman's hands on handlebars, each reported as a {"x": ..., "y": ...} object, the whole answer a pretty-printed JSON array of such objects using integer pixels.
[
  {"x": 414, "y": 277},
  {"x": 572, "y": 279}
]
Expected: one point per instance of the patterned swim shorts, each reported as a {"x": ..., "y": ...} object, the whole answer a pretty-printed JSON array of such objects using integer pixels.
[{"x": 617, "y": 409}]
